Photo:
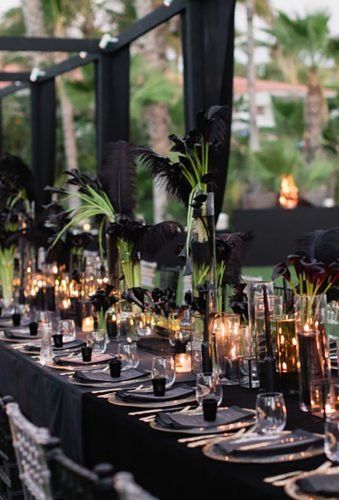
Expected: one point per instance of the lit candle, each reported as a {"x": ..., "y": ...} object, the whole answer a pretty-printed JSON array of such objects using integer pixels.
[
  {"x": 183, "y": 363},
  {"x": 88, "y": 324}
]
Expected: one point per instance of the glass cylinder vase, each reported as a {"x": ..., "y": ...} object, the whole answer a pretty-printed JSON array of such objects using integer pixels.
[
  {"x": 202, "y": 243},
  {"x": 287, "y": 353},
  {"x": 7, "y": 275},
  {"x": 313, "y": 352},
  {"x": 226, "y": 329}
]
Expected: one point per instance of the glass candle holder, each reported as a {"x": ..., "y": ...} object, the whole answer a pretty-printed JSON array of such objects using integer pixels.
[
  {"x": 126, "y": 321},
  {"x": 144, "y": 323},
  {"x": 287, "y": 353},
  {"x": 324, "y": 397},
  {"x": 87, "y": 325},
  {"x": 275, "y": 309},
  {"x": 313, "y": 352},
  {"x": 226, "y": 329},
  {"x": 112, "y": 324},
  {"x": 248, "y": 361},
  {"x": 255, "y": 289},
  {"x": 183, "y": 363}
]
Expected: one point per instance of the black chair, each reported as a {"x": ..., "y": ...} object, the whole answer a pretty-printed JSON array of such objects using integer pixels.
[{"x": 10, "y": 484}]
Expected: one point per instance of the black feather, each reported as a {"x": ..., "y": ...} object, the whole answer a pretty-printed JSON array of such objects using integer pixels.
[
  {"x": 322, "y": 245},
  {"x": 166, "y": 173},
  {"x": 15, "y": 175},
  {"x": 118, "y": 177},
  {"x": 235, "y": 246},
  {"x": 155, "y": 237}
]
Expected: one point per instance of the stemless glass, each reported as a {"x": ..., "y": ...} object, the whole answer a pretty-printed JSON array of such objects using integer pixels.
[
  {"x": 127, "y": 351},
  {"x": 208, "y": 386},
  {"x": 332, "y": 437},
  {"x": 68, "y": 329},
  {"x": 99, "y": 340},
  {"x": 270, "y": 413},
  {"x": 163, "y": 366}
]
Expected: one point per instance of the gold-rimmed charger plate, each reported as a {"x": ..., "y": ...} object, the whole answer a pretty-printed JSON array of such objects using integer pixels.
[
  {"x": 111, "y": 385},
  {"x": 196, "y": 431},
  {"x": 293, "y": 490},
  {"x": 73, "y": 368},
  {"x": 210, "y": 451},
  {"x": 154, "y": 404}
]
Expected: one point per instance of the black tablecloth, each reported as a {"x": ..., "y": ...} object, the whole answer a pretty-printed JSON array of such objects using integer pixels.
[{"x": 92, "y": 430}]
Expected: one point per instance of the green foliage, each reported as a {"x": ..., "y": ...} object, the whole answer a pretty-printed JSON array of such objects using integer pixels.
[
  {"x": 16, "y": 134},
  {"x": 12, "y": 23},
  {"x": 288, "y": 117},
  {"x": 275, "y": 159},
  {"x": 305, "y": 38},
  {"x": 320, "y": 171}
]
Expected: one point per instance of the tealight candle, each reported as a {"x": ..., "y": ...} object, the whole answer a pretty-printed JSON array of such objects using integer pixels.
[
  {"x": 88, "y": 324},
  {"x": 183, "y": 362}
]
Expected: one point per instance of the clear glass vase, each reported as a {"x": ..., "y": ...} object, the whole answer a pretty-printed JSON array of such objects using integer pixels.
[
  {"x": 226, "y": 330},
  {"x": 313, "y": 352},
  {"x": 202, "y": 244},
  {"x": 7, "y": 275}
]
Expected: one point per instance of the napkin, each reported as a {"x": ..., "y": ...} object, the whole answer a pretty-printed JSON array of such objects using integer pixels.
[
  {"x": 184, "y": 420},
  {"x": 295, "y": 441},
  {"x": 96, "y": 359},
  {"x": 20, "y": 332},
  {"x": 6, "y": 322},
  {"x": 74, "y": 344},
  {"x": 177, "y": 392},
  {"x": 96, "y": 376},
  {"x": 326, "y": 485}
]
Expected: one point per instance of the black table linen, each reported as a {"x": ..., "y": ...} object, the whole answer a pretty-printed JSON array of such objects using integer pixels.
[{"x": 92, "y": 431}]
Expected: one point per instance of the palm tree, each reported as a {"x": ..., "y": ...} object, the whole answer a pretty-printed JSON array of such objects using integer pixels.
[{"x": 306, "y": 43}]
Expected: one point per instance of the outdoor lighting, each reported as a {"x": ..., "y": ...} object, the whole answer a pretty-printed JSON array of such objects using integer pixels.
[
  {"x": 167, "y": 3},
  {"x": 106, "y": 40},
  {"x": 83, "y": 54},
  {"x": 36, "y": 73}
]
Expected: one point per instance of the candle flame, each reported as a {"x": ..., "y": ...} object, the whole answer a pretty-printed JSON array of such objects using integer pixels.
[{"x": 289, "y": 192}]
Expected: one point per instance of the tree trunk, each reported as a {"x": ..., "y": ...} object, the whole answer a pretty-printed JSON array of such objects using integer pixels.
[
  {"x": 314, "y": 116},
  {"x": 251, "y": 77},
  {"x": 34, "y": 24},
  {"x": 153, "y": 48}
]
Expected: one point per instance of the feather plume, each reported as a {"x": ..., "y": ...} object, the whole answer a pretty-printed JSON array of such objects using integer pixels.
[
  {"x": 233, "y": 247},
  {"x": 117, "y": 176},
  {"x": 166, "y": 173},
  {"x": 15, "y": 175},
  {"x": 322, "y": 245},
  {"x": 155, "y": 237}
]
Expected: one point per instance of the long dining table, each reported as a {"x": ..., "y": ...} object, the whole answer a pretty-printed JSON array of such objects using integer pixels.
[{"x": 92, "y": 430}]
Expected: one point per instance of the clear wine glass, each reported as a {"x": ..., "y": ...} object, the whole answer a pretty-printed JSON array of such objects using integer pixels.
[
  {"x": 68, "y": 329},
  {"x": 163, "y": 366},
  {"x": 332, "y": 437},
  {"x": 128, "y": 354},
  {"x": 270, "y": 413},
  {"x": 208, "y": 386}
]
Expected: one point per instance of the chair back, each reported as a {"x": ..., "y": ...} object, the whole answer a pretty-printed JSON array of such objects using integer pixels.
[
  {"x": 73, "y": 482},
  {"x": 127, "y": 489},
  {"x": 10, "y": 484},
  {"x": 30, "y": 444}
]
